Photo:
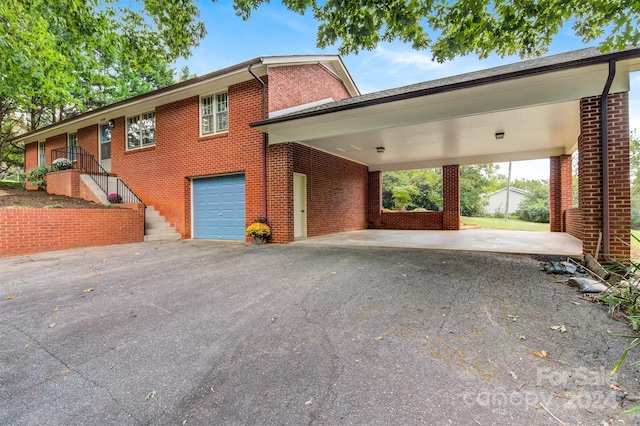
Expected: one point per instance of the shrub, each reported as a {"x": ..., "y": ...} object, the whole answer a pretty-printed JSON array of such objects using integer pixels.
[
  {"x": 258, "y": 229},
  {"x": 537, "y": 211},
  {"x": 38, "y": 176},
  {"x": 61, "y": 164},
  {"x": 114, "y": 198}
]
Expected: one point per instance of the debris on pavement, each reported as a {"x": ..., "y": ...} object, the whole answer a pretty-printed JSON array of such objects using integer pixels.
[{"x": 587, "y": 285}]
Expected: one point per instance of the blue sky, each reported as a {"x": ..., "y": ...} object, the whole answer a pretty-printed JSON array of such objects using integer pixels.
[{"x": 273, "y": 30}]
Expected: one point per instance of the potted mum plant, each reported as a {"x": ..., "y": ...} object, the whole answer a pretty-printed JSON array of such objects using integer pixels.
[{"x": 259, "y": 230}]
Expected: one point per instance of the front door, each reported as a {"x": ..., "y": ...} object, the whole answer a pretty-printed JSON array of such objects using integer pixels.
[
  {"x": 299, "y": 205},
  {"x": 105, "y": 146}
]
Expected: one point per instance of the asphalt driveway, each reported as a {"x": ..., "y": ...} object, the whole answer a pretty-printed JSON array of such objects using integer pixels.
[{"x": 205, "y": 332}]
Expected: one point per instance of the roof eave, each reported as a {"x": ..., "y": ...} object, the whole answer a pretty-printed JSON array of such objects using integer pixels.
[{"x": 577, "y": 63}]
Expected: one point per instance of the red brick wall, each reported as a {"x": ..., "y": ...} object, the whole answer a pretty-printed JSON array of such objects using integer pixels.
[
  {"x": 160, "y": 174},
  {"x": 573, "y": 222},
  {"x": 55, "y": 142},
  {"x": 336, "y": 191},
  {"x": 590, "y": 173},
  {"x": 412, "y": 220},
  {"x": 560, "y": 191},
  {"x": 290, "y": 86},
  {"x": 64, "y": 182},
  {"x": 31, "y": 156},
  {"x": 28, "y": 231},
  {"x": 280, "y": 193},
  {"x": 451, "y": 197},
  {"x": 88, "y": 139},
  {"x": 374, "y": 202}
]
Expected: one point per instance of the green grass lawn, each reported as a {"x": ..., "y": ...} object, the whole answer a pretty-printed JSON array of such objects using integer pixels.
[{"x": 500, "y": 223}]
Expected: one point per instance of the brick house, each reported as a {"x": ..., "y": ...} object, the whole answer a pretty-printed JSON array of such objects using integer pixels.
[
  {"x": 291, "y": 139},
  {"x": 188, "y": 149}
]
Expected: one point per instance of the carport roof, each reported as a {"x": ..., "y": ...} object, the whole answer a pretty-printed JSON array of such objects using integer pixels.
[{"x": 454, "y": 120}]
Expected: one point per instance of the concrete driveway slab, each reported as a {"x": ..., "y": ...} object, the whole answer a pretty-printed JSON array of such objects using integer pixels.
[{"x": 205, "y": 332}]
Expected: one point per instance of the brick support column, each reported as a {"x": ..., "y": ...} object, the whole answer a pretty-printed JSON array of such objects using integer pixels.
[
  {"x": 374, "y": 201},
  {"x": 451, "y": 197},
  {"x": 280, "y": 192},
  {"x": 590, "y": 174},
  {"x": 560, "y": 191}
]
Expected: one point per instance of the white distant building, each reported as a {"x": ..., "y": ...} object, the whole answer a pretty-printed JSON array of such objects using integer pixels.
[{"x": 496, "y": 201}]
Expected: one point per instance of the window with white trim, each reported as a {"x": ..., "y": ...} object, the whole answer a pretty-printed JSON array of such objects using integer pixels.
[
  {"x": 214, "y": 113},
  {"x": 72, "y": 146},
  {"x": 42, "y": 153},
  {"x": 141, "y": 130}
]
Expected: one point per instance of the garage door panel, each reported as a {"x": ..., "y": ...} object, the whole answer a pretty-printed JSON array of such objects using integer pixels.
[{"x": 219, "y": 207}]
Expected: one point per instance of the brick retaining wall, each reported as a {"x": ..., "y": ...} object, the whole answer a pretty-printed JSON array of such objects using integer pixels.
[{"x": 29, "y": 231}]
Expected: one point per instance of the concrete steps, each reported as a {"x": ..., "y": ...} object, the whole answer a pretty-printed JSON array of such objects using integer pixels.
[{"x": 156, "y": 227}]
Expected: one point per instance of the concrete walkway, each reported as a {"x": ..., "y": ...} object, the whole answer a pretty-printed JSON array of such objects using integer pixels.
[{"x": 487, "y": 240}]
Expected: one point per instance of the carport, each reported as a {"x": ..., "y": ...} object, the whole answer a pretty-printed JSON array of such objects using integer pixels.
[{"x": 542, "y": 108}]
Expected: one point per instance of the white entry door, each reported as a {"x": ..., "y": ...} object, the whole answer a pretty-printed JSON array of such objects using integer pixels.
[{"x": 299, "y": 205}]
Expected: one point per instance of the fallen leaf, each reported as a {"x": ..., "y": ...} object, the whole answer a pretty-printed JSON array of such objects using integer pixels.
[
  {"x": 132, "y": 314},
  {"x": 136, "y": 254},
  {"x": 88, "y": 290},
  {"x": 309, "y": 402},
  {"x": 360, "y": 267},
  {"x": 560, "y": 394},
  {"x": 333, "y": 273},
  {"x": 378, "y": 338},
  {"x": 103, "y": 260},
  {"x": 26, "y": 346},
  {"x": 574, "y": 302},
  {"x": 10, "y": 297},
  {"x": 90, "y": 266},
  {"x": 560, "y": 328},
  {"x": 616, "y": 388},
  {"x": 522, "y": 337},
  {"x": 56, "y": 309},
  {"x": 514, "y": 318},
  {"x": 52, "y": 324},
  {"x": 541, "y": 354},
  {"x": 150, "y": 395},
  {"x": 110, "y": 367},
  {"x": 513, "y": 374}
]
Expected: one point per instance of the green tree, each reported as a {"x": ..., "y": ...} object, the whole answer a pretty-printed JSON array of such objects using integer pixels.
[
  {"x": 476, "y": 180},
  {"x": 64, "y": 57},
  {"x": 461, "y": 27},
  {"x": 535, "y": 206},
  {"x": 423, "y": 188},
  {"x": 634, "y": 161}
]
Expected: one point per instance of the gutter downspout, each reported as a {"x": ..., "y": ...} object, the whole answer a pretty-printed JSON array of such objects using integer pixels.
[
  {"x": 604, "y": 149},
  {"x": 264, "y": 139}
]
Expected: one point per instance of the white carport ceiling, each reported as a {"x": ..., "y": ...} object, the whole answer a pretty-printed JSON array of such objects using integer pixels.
[{"x": 454, "y": 120}]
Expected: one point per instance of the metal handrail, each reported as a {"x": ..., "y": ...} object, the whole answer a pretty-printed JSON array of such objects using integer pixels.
[{"x": 86, "y": 162}]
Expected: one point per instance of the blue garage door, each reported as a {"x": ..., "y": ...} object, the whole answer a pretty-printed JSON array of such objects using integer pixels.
[{"x": 219, "y": 207}]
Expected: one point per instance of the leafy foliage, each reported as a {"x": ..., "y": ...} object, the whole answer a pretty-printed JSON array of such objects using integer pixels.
[
  {"x": 535, "y": 206},
  {"x": 65, "y": 57},
  {"x": 258, "y": 229},
  {"x": 38, "y": 176},
  {"x": 462, "y": 27}
]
